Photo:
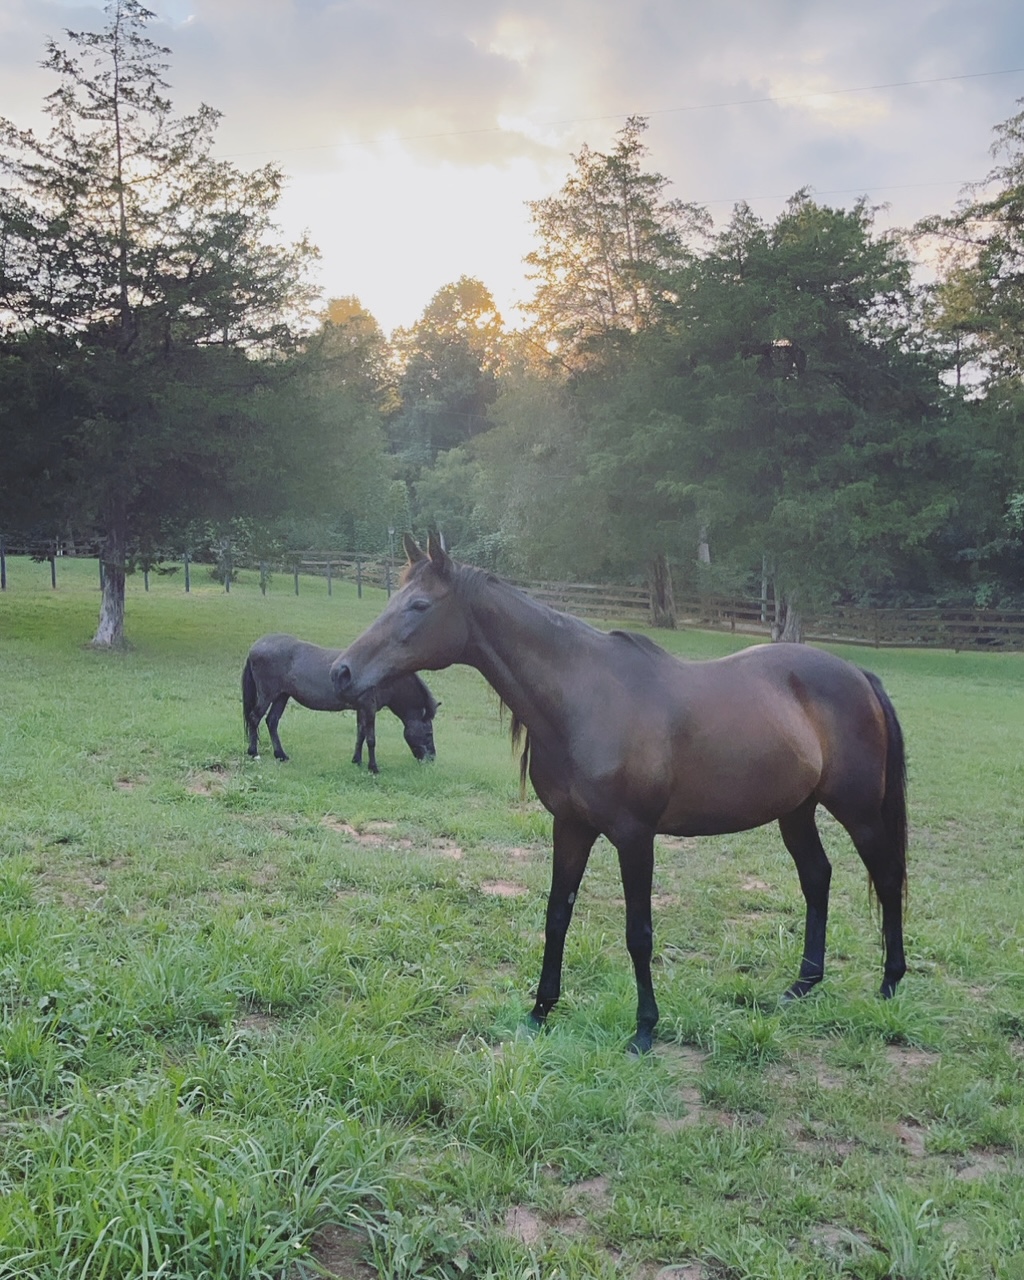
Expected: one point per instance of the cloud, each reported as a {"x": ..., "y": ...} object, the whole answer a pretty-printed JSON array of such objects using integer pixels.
[{"x": 413, "y": 133}]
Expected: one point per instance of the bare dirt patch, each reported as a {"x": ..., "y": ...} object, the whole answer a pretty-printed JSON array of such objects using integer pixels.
[
  {"x": 207, "y": 783},
  {"x": 523, "y": 1225},
  {"x": 983, "y": 1164},
  {"x": 907, "y": 1061},
  {"x": 503, "y": 888},
  {"x": 340, "y": 1253},
  {"x": 446, "y": 848},
  {"x": 370, "y": 838},
  {"x": 257, "y": 1023},
  {"x": 912, "y": 1137},
  {"x": 592, "y": 1193}
]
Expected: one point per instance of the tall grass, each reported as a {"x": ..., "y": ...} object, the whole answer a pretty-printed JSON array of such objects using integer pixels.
[{"x": 267, "y": 1020}]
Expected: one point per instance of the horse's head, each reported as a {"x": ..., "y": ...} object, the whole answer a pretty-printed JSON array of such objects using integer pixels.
[
  {"x": 423, "y": 628},
  {"x": 419, "y": 734}
]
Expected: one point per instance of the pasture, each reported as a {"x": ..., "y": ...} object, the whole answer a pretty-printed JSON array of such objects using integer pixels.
[{"x": 265, "y": 1019}]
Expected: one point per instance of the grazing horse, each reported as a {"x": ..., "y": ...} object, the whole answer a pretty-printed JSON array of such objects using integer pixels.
[
  {"x": 280, "y": 667},
  {"x": 627, "y": 741}
]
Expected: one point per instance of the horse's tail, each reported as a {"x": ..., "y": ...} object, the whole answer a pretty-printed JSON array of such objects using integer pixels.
[
  {"x": 249, "y": 695},
  {"x": 894, "y": 802}
]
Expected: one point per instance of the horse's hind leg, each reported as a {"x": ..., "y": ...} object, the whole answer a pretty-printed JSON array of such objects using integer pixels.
[
  {"x": 636, "y": 866},
  {"x": 800, "y": 833},
  {"x": 273, "y": 719},
  {"x": 887, "y": 871}
]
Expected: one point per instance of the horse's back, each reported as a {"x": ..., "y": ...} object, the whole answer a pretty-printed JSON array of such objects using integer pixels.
[
  {"x": 407, "y": 695},
  {"x": 726, "y": 744},
  {"x": 283, "y": 663}
]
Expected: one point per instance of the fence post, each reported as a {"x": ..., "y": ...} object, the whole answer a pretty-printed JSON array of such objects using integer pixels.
[
  {"x": 188, "y": 580},
  {"x": 359, "y": 577},
  {"x": 296, "y": 579},
  {"x": 328, "y": 577},
  {"x": 53, "y": 570},
  {"x": 263, "y": 577},
  {"x": 387, "y": 579},
  {"x": 3, "y": 566},
  {"x": 227, "y": 570},
  {"x": 145, "y": 578}
]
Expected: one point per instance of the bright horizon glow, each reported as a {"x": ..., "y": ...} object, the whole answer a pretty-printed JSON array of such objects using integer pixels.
[{"x": 407, "y": 227}]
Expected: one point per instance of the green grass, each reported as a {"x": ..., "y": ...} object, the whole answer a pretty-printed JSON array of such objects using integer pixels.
[{"x": 267, "y": 1020}]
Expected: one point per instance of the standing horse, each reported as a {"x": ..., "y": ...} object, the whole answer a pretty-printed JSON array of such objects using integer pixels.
[
  {"x": 627, "y": 741},
  {"x": 280, "y": 667}
]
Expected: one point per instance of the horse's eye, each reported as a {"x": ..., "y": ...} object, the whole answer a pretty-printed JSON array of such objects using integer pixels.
[{"x": 419, "y": 605}]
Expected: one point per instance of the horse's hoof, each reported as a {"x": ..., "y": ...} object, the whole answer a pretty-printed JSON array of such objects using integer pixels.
[
  {"x": 641, "y": 1043},
  {"x": 799, "y": 989}
]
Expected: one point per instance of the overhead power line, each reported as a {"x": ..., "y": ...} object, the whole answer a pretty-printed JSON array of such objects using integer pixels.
[{"x": 656, "y": 111}]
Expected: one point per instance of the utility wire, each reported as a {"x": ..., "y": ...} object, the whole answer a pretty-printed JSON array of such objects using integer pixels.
[{"x": 658, "y": 111}]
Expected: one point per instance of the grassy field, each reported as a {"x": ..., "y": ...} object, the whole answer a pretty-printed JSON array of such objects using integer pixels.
[{"x": 265, "y": 1019}]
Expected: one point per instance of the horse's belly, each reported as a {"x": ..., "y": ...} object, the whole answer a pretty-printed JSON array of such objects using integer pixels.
[{"x": 738, "y": 794}]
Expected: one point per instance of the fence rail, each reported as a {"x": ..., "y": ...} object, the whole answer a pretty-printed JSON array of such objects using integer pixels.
[{"x": 935, "y": 627}]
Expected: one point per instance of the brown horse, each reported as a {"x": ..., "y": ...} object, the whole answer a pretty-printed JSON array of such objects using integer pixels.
[{"x": 625, "y": 740}]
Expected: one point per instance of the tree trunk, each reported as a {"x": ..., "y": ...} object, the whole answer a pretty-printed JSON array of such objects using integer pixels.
[
  {"x": 110, "y": 631},
  {"x": 788, "y": 626},
  {"x": 663, "y": 605}
]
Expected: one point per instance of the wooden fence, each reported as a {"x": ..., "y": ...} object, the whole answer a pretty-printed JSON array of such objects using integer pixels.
[{"x": 942, "y": 628}]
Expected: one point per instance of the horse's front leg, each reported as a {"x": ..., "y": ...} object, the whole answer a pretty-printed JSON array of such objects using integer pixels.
[
  {"x": 370, "y": 733},
  {"x": 357, "y": 755},
  {"x": 636, "y": 866},
  {"x": 572, "y": 843}
]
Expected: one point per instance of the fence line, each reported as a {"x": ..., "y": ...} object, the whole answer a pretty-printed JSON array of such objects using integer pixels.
[{"x": 933, "y": 627}]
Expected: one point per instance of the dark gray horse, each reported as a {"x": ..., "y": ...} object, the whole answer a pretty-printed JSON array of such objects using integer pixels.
[{"x": 280, "y": 667}]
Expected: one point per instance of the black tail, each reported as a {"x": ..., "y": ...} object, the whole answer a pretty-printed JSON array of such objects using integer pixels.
[
  {"x": 248, "y": 697},
  {"x": 894, "y": 804}
]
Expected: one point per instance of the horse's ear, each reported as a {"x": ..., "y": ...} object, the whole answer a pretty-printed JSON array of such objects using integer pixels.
[
  {"x": 412, "y": 549},
  {"x": 439, "y": 558}
]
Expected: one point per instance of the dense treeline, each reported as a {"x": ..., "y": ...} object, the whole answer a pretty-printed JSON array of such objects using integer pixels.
[{"x": 779, "y": 406}]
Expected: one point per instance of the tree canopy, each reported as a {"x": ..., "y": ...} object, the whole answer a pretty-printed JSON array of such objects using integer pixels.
[{"x": 149, "y": 278}]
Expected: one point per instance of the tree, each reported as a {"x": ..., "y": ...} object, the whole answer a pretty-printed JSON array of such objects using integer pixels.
[
  {"x": 151, "y": 273},
  {"x": 983, "y": 242},
  {"x": 810, "y": 429},
  {"x": 449, "y": 361},
  {"x": 782, "y": 412},
  {"x": 607, "y": 242}
]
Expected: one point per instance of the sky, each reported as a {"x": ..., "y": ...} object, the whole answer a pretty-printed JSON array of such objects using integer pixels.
[{"x": 413, "y": 133}]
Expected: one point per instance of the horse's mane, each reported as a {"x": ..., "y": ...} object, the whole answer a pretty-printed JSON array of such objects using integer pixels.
[{"x": 642, "y": 642}]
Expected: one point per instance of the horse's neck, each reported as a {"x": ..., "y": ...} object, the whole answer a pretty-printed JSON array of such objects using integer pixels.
[{"x": 522, "y": 650}]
